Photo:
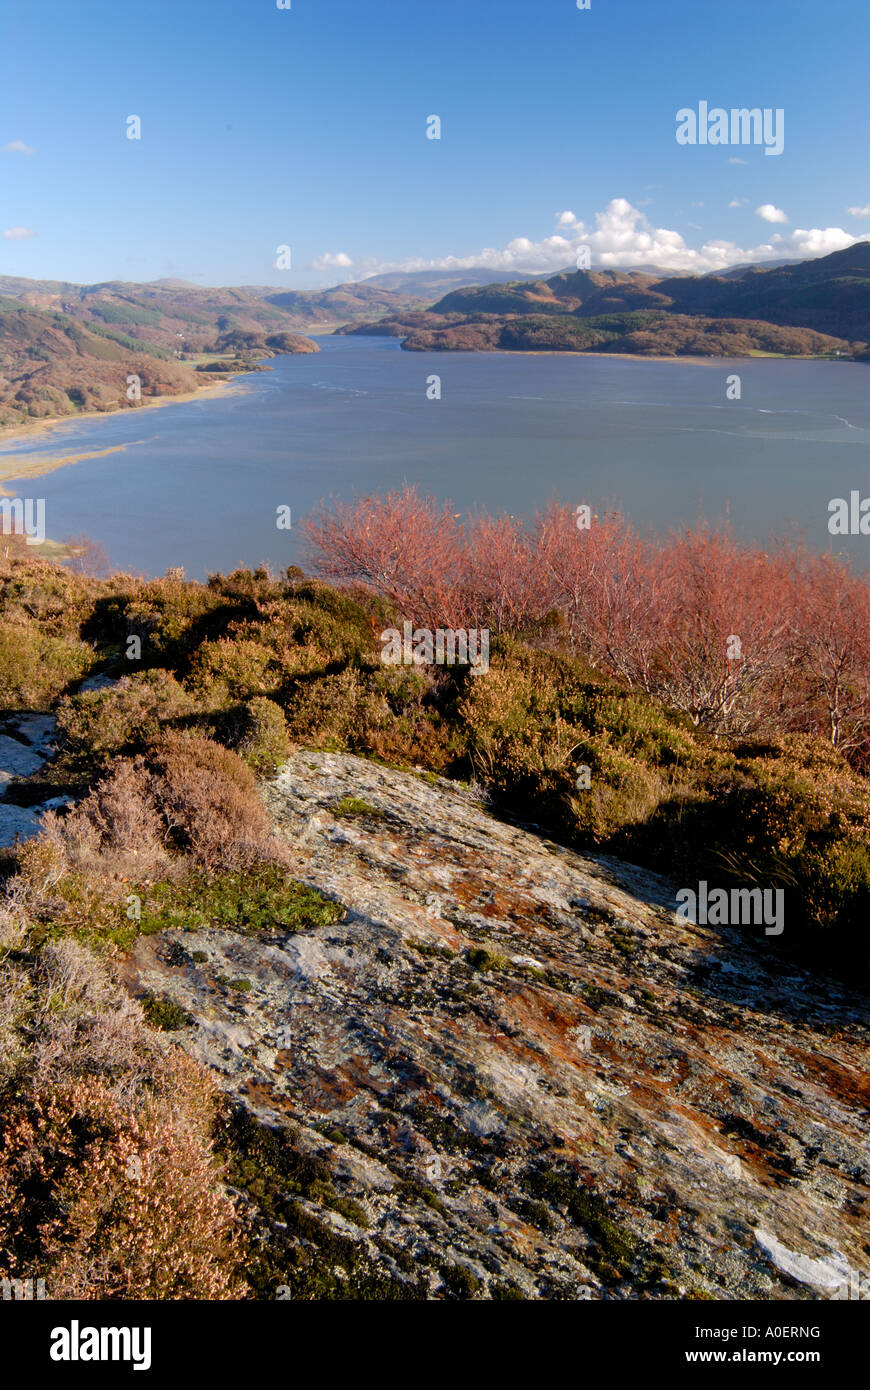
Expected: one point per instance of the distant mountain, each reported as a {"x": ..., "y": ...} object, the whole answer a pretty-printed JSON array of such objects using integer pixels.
[
  {"x": 392, "y": 292},
  {"x": 565, "y": 292},
  {"x": 153, "y": 313},
  {"x": 69, "y": 348},
  {"x": 830, "y": 294},
  {"x": 326, "y": 309},
  {"x": 172, "y": 283},
  {"x": 807, "y": 307},
  {"x": 736, "y": 272},
  {"x": 438, "y": 281}
]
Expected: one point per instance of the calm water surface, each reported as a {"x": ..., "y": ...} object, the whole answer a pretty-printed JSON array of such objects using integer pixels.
[{"x": 198, "y": 484}]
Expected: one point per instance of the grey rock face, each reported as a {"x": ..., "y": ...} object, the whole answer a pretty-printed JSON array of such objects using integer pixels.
[
  {"x": 24, "y": 747},
  {"x": 538, "y": 1075}
]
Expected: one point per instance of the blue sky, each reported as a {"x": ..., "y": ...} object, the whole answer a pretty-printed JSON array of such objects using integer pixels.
[{"x": 264, "y": 127}]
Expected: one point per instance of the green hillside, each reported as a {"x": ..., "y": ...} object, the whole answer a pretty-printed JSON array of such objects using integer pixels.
[
  {"x": 70, "y": 348},
  {"x": 812, "y": 308}
]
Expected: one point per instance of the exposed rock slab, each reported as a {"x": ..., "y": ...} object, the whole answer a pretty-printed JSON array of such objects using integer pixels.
[
  {"x": 587, "y": 1092},
  {"x": 26, "y": 743}
]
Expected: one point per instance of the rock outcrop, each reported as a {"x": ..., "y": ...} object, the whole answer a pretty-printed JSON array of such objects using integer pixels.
[{"x": 523, "y": 1075}]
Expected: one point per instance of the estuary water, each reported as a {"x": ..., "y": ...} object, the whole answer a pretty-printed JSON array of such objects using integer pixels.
[{"x": 199, "y": 484}]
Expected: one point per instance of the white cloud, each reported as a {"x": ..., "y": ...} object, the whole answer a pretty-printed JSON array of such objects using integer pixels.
[
  {"x": 566, "y": 219},
  {"x": 859, "y": 212},
  {"x": 18, "y": 147},
  {"x": 18, "y": 233},
  {"x": 771, "y": 214},
  {"x": 737, "y": 202},
  {"x": 621, "y": 238},
  {"x": 735, "y": 159},
  {"x": 331, "y": 260},
  {"x": 820, "y": 241}
]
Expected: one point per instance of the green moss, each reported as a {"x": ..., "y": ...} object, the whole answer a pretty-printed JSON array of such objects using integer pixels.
[
  {"x": 350, "y": 1209},
  {"x": 479, "y": 958},
  {"x": 287, "y": 1244},
  {"x": 625, "y": 942},
  {"x": 255, "y": 900},
  {"x": 414, "y": 1190},
  {"x": 431, "y": 948},
  {"x": 165, "y": 1014},
  {"x": 240, "y": 984},
  {"x": 354, "y": 806},
  {"x": 563, "y": 1189},
  {"x": 536, "y": 1213}
]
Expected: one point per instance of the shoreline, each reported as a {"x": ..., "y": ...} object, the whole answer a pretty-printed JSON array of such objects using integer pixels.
[
  {"x": 703, "y": 360},
  {"x": 32, "y": 465}
]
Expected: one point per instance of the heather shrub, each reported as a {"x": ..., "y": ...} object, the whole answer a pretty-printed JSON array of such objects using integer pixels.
[
  {"x": 328, "y": 620},
  {"x": 116, "y": 1198},
  {"x": 328, "y": 711},
  {"x": 232, "y": 669},
  {"x": 188, "y": 804},
  {"x": 207, "y": 799},
  {"x": 118, "y": 831},
  {"x": 538, "y": 714},
  {"x": 166, "y": 614},
  {"x": 108, "y": 1182},
  {"x": 391, "y": 713},
  {"x": 188, "y": 799},
  {"x": 42, "y": 861},
  {"x": 15, "y": 1003},
  {"x": 50, "y": 595},
  {"x": 36, "y": 667},
  {"x": 623, "y": 791},
  {"x": 85, "y": 1025},
  {"x": 97, "y": 724},
  {"x": 835, "y": 879},
  {"x": 263, "y": 741}
]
